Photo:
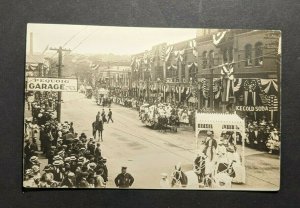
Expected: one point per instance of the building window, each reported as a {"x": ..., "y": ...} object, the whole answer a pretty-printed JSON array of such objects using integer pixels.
[
  {"x": 227, "y": 55},
  {"x": 258, "y": 54},
  {"x": 248, "y": 55},
  {"x": 193, "y": 73},
  {"x": 204, "y": 60},
  {"x": 211, "y": 57}
]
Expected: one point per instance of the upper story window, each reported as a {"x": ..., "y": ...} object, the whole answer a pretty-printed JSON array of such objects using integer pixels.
[
  {"x": 204, "y": 59},
  {"x": 227, "y": 54},
  {"x": 192, "y": 72},
  {"x": 211, "y": 58},
  {"x": 248, "y": 55},
  {"x": 258, "y": 54}
]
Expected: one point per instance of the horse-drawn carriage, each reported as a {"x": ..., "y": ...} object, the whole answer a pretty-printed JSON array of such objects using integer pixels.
[
  {"x": 159, "y": 117},
  {"x": 88, "y": 92},
  {"x": 102, "y": 97},
  {"x": 228, "y": 164}
]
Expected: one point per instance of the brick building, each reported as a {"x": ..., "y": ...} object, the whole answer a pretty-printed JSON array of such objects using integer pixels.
[{"x": 235, "y": 67}]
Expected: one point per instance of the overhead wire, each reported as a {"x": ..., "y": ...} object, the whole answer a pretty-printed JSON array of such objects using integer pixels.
[{"x": 70, "y": 39}]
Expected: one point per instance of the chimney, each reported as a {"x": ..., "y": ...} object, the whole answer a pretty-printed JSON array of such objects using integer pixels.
[{"x": 31, "y": 44}]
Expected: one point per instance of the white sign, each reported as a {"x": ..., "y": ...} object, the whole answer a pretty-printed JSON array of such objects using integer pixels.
[{"x": 51, "y": 84}]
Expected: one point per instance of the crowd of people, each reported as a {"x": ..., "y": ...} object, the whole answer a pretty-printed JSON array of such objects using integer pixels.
[
  {"x": 73, "y": 161},
  {"x": 263, "y": 135}
]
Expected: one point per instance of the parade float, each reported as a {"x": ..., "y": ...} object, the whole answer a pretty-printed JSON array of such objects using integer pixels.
[
  {"x": 102, "y": 96},
  {"x": 89, "y": 92},
  {"x": 159, "y": 116},
  {"x": 218, "y": 123}
]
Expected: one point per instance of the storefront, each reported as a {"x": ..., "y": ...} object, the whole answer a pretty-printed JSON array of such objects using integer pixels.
[
  {"x": 254, "y": 99},
  {"x": 257, "y": 99}
]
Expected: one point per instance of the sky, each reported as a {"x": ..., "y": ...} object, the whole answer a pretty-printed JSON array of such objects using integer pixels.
[{"x": 103, "y": 39}]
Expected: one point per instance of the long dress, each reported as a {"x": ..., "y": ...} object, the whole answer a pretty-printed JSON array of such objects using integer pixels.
[{"x": 210, "y": 152}]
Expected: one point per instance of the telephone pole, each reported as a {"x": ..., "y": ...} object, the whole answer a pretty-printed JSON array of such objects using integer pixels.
[
  {"x": 59, "y": 50},
  {"x": 211, "y": 91}
]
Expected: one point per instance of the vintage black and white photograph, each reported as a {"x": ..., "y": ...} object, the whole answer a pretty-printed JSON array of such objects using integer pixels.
[{"x": 152, "y": 108}]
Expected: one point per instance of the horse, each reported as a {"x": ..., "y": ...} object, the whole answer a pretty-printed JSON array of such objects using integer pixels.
[
  {"x": 188, "y": 179},
  {"x": 97, "y": 126}
]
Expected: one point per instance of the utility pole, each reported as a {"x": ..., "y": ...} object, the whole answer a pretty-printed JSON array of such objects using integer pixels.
[
  {"x": 59, "y": 70},
  {"x": 211, "y": 91}
]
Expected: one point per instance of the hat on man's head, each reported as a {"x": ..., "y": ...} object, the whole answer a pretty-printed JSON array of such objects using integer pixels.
[
  {"x": 84, "y": 174},
  {"x": 164, "y": 175},
  {"x": 81, "y": 159},
  {"x": 35, "y": 168},
  {"x": 71, "y": 174},
  {"x": 61, "y": 153},
  {"x": 61, "y": 162},
  {"x": 34, "y": 159},
  {"x": 57, "y": 157},
  {"x": 92, "y": 165},
  {"x": 72, "y": 158},
  {"x": 263, "y": 123},
  {"x": 47, "y": 168},
  {"x": 124, "y": 167},
  {"x": 103, "y": 159},
  {"x": 67, "y": 159},
  {"x": 29, "y": 172},
  {"x": 178, "y": 166},
  {"x": 56, "y": 163},
  {"x": 83, "y": 135}
]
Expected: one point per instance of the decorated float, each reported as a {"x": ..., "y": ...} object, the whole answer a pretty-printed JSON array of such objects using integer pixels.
[
  {"x": 102, "y": 96},
  {"x": 159, "y": 116},
  {"x": 219, "y": 123}
]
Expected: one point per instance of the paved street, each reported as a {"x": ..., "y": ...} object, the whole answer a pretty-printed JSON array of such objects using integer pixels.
[{"x": 148, "y": 153}]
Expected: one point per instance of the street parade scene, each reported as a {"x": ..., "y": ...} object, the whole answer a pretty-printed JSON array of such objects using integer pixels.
[{"x": 156, "y": 109}]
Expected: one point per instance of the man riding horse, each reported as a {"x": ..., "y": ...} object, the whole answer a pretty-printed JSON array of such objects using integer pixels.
[{"x": 98, "y": 126}]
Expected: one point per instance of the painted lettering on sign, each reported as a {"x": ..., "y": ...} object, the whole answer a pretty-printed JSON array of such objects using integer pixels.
[
  {"x": 252, "y": 108},
  {"x": 51, "y": 84}
]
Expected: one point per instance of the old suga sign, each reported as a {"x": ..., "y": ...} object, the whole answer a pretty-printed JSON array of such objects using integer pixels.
[{"x": 51, "y": 84}]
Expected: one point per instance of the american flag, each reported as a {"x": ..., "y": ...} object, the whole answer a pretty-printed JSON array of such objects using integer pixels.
[
  {"x": 151, "y": 56},
  {"x": 162, "y": 52},
  {"x": 273, "y": 103}
]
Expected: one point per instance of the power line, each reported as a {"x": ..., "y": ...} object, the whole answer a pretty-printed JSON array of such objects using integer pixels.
[
  {"x": 70, "y": 39},
  {"x": 83, "y": 40},
  {"x": 74, "y": 36}
]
